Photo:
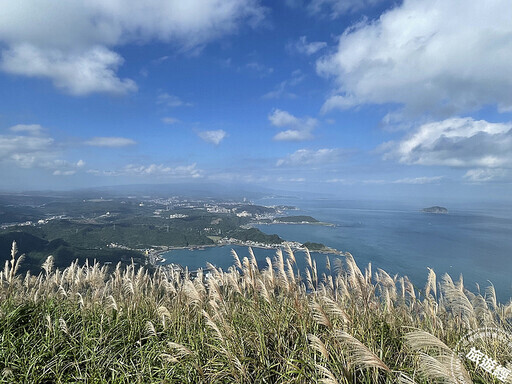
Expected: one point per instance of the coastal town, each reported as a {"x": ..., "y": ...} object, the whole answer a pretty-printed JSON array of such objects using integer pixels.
[{"x": 143, "y": 228}]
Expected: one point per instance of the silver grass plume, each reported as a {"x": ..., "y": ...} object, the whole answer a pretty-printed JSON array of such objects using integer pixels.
[
  {"x": 431, "y": 283},
  {"x": 289, "y": 251},
  {"x": 421, "y": 340},
  {"x": 334, "y": 309},
  {"x": 442, "y": 364},
  {"x": 327, "y": 376},
  {"x": 149, "y": 329},
  {"x": 63, "y": 326},
  {"x": 238, "y": 264},
  {"x": 308, "y": 258},
  {"x": 319, "y": 315},
  {"x": 490, "y": 296},
  {"x": 404, "y": 379},
  {"x": 358, "y": 354},
  {"x": 318, "y": 345},
  {"x": 456, "y": 300},
  {"x": 253, "y": 258}
]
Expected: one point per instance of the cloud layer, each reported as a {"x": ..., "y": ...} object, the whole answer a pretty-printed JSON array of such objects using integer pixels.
[
  {"x": 456, "y": 142},
  {"x": 442, "y": 56},
  {"x": 30, "y": 147},
  {"x": 303, "y": 157},
  {"x": 76, "y": 51},
  {"x": 110, "y": 142}
]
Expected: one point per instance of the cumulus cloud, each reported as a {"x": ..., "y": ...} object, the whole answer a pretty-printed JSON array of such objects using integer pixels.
[
  {"x": 442, "y": 56},
  {"x": 110, "y": 142},
  {"x": 213, "y": 137},
  {"x": 300, "y": 129},
  {"x": 312, "y": 157},
  {"x": 81, "y": 73},
  {"x": 455, "y": 142},
  {"x": 308, "y": 48},
  {"x": 76, "y": 53}
]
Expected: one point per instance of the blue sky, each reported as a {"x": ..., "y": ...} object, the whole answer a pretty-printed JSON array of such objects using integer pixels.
[{"x": 358, "y": 98}]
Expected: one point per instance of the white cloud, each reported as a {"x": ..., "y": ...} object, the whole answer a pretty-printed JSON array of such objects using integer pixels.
[
  {"x": 31, "y": 129},
  {"x": 26, "y": 151},
  {"x": 407, "y": 180},
  {"x": 455, "y": 142},
  {"x": 420, "y": 180},
  {"x": 442, "y": 56},
  {"x": 35, "y": 149},
  {"x": 92, "y": 70},
  {"x": 302, "y": 46},
  {"x": 172, "y": 101},
  {"x": 162, "y": 170},
  {"x": 291, "y": 179},
  {"x": 480, "y": 175},
  {"x": 110, "y": 142},
  {"x": 59, "y": 172},
  {"x": 293, "y": 135},
  {"x": 300, "y": 129},
  {"x": 214, "y": 137},
  {"x": 170, "y": 120},
  {"x": 312, "y": 157},
  {"x": 73, "y": 41}
]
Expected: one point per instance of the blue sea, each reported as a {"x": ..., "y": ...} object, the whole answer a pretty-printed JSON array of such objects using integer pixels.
[{"x": 396, "y": 237}]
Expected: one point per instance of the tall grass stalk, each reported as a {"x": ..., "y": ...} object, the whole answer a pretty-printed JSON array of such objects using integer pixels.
[{"x": 88, "y": 323}]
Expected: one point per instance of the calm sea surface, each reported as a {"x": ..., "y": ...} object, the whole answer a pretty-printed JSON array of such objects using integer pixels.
[{"x": 397, "y": 238}]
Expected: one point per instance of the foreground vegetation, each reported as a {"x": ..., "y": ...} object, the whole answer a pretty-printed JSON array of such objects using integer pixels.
[{"x": 248, "y": 325}]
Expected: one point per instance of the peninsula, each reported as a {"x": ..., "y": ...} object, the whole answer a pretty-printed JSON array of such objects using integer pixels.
[{"x": 124, "y": 228}]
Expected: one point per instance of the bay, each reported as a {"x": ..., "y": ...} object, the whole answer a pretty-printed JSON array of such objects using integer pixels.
[{"x": 396, "y": 237}]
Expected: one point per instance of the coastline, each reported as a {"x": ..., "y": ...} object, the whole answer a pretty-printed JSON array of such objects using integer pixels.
[
  {"x": 155, "y": 255},
  {"x": 322, "y": 223}
]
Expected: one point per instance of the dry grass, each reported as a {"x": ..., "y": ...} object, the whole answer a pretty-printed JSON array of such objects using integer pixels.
[{"x": 244, "y": 325}]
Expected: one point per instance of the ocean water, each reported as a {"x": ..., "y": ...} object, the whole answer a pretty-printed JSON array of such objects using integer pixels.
[{"x": 395, "y": 237}]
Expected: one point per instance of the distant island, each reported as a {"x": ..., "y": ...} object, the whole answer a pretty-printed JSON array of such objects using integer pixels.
[{"x": 436, "y": 209}]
